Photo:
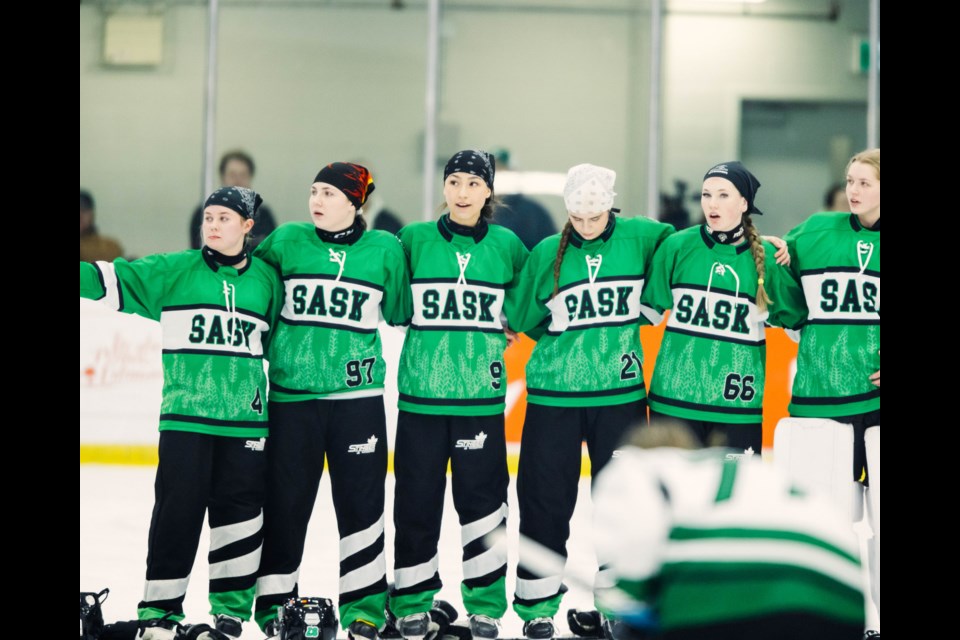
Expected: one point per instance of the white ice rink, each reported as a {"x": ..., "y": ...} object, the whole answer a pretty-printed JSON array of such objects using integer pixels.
[{"x": 115, "y": 507}]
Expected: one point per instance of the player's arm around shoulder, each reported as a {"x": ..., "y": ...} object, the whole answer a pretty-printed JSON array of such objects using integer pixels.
[
  {"x": 788, "y": 307},
  {"x": 397, "y": 303}
]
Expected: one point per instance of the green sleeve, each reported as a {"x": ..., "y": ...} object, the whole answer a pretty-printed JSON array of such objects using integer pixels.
[
  {"x": 666, "y": 230},
  {"x": 789, "y": 307},
  {"x": 663, "y": 232},
  {"x": 791, "y": 240},
  {"x": 137, "y": 287},
  {"x": 397, "y": 303},
  {"x": 276, "y": 307},
  {"x": 525, "y": 307},
  {"x": 657, "y": 293},
  {"x": 404, "y": 237},
  {"x": 520, "y": 256},
  {"x": 91, "y": 285},
  {"x": 268, "y": 251}
]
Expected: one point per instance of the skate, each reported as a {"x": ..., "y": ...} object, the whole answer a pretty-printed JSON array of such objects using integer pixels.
[
  {"x": 230, "y": 626},
  {"x": 272, "y": 628},
  {"x": 199, "y": 632},
  {"x": 158, "y": 629},
  {"x": 417, "y": 626},
  {"x": 484, "y": 627},
  {"x": 539, "y": 629},
  {"x": 362, "y": 630},
  {"x": 585, "y": 624}
]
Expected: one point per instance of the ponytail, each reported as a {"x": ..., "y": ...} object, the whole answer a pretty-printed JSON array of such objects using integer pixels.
[
  {"x": 562, "y": 249},
  {"x": 759, "y": 257}
]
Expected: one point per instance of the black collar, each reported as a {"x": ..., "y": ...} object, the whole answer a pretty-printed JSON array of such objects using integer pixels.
[
  {"x": 711, "y": 243},
  {"x": 577, "y": 240},
  {"x": 448, "y": 228},
  {"x": 345, "y": 236},
  {"x": 855, "y": 224},
  {"x": 215, "y": 259},
  {"x": 728, "y": 237}
]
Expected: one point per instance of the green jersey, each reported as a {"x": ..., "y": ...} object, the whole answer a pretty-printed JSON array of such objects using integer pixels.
[
  {"x": 723, "y": 538},
  {"x": 712, "y": 361},
  {"x": 215, "y": 321},
  {"x": 327, "y": 344},
  {"x": 588, "y": 351},
  {"x": 838, "y": 263},
  {"x": 452, "y": 359}
]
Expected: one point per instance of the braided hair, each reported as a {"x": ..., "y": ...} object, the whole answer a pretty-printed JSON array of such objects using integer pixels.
[
  {"x": 759, "y": 257},
  {"x": 564, "y": 241}
]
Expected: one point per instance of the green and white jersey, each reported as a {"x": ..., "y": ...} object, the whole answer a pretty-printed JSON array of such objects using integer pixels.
[
  {"x": 215, "y": 321},
  {"x": 327, "y": 344},
  {"x": 721, "y": 540},
  {"x": 452, "y": 360},
  {"x": 588, "y": 350},
  {"x": 838, "y": 264},
  {"x": 712, "y": 361}
]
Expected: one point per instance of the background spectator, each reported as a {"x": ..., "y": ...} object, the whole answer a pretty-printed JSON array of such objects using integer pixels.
[
  {"x": 94, "y": 246},
  {"x": 236, "y": 170}
]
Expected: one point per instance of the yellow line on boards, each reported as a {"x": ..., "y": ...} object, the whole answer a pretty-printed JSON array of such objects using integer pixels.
[{"x": 146, "y": 455}]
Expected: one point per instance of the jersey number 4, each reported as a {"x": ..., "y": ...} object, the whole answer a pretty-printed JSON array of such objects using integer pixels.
[{"x": 257, "y": 403}]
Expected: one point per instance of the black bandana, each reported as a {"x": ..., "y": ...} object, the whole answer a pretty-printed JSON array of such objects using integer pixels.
[
  {"x": 732, "y": 236},
  {"x": 243, "y": 201},
  {"x": 473, "y": 161},
  {"x": 345, "y": 236},
  {"x": 214, "y": 256},
  {"x": 745, "y": 182}
]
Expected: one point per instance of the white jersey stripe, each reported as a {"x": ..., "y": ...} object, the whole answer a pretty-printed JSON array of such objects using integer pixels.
[
  {"x": 205, "y": 329},
  {"x": 782, "y": 552},
  {"x": 447, "y": 304},
  {"x": 826, "y": 295},
  {"x": 111, "y": 287},
  {"x": 338, "y": 302},
  {"x": 716, "y": 314},
  {"x": 602, "y": 302}
]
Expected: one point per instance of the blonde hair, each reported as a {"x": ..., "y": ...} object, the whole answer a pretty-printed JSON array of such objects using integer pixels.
[
  {"x": 759, "y": 257},
  {"x": 870, "y": 157},
  {"x": 564, "y": 241}
]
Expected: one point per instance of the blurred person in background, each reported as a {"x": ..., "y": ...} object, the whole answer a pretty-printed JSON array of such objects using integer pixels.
[
  {"x": 523, "y": 215},
  {"x": 709, "y": 544},
  {"x": 94, "y": 246},
  {"x": 835, "y": 199},
  {"x": 236, "y": 170}
]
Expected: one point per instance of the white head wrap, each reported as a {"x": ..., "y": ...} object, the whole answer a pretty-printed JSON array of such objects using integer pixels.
[{"x": 589, "y": 189}]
